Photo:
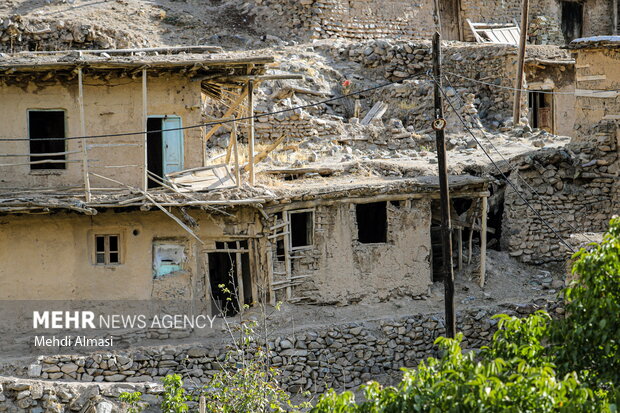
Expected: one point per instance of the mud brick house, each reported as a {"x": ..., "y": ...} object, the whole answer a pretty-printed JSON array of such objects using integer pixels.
[{"x": 92, "y": 207}]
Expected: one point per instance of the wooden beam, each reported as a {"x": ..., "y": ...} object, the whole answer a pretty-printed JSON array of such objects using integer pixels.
[
  {"x": 266, "y": 152},
  {"x": 251, "y": 130},
  {"x": 371, "y": 198},
  {"x": 145, "y": 179},
  {"x": 83, "y": 133},
  {"x": 231, "y": 109}
]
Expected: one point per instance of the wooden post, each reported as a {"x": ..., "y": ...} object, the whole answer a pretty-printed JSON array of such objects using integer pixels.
[
  {"x": 614, "y": 29},
  {"x": 446, "y": 238},
  {"x": 145, "y": 182},
  {"x": 251, "y": 129},
  {"x": 83, "y": 133},
  {"x": 460, "y": 242},
  {"x": 287, "y": 254},
  {"x": 516, "y": 110},
  {"x": 483, "y": 241},
  {"x": 233, "y": 136}
]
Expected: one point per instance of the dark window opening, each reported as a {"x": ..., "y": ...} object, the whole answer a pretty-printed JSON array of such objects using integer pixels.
[
  {"x": 572, "y": 20},
  {"x": 280, "y": 250},
  {"x": 224, "y": 281},
  {"x": 154, "y": 144},
  {"x": 396, "y": 204},
  {"x": 107, "y": 249},
  {"x": 301, "y": 228},
  {"x": 47, "y": 132},
  {"x": 371, "y": 222},
  {"x": 540, "y": 110}
]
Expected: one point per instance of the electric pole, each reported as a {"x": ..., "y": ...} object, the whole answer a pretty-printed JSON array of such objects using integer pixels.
[
  {"x": 516, "y": 110},
  {"x": 439, "y": 124}
]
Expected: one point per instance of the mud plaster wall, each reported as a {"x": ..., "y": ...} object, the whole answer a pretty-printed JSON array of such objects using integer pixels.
[
  {"x": 558, "y": 79},
  {"x": 343, "y": 270},
  {"x": 596, "y": 69},
  {"x": 109, "y": 109},
  {"x": 51, "y": 257}
]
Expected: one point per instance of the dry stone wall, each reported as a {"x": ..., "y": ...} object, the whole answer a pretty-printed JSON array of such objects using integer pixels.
[
  {"x": 18, "y": 33},
  {"x": 340, "y": 356},
  {"x": 574, "y": 189}
]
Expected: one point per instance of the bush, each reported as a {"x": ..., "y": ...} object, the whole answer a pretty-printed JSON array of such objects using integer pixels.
[
  {"x": 514, "y": 374},
  {"x": 588, "y": 338}
]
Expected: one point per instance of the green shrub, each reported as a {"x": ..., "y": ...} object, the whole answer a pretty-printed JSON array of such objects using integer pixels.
[
  {"x": 514, "y": 374},
  {"x": 588, "y": 338}
]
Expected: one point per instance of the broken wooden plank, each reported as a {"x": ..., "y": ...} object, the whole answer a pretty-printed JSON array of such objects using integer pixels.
[
  {"x": 265, "y": 152},
  {"x": 231, "y": 109},
  {"x": 376, "y": 112}
]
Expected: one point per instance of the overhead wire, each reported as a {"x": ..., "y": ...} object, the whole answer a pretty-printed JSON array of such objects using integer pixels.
[
  {"x": 514, "y": 187},
  {"x": 547, "y": 92},
  {"x": 223, "y": 121},
  {"x": 516, "y": 172}
]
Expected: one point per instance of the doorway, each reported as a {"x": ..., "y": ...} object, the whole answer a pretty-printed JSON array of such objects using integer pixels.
[
  {"x": 164, "y": 146},
  {"x": 230, "y": 277},
  {"x": 540, "y": 107},
  {"x": 572, "y": 20},
  {"x": 450, "y": 16}
]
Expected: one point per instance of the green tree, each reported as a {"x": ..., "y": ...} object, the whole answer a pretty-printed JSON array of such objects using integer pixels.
[
  {"x": 513, "y": 374},
  {"x": 588, "y": 338}
]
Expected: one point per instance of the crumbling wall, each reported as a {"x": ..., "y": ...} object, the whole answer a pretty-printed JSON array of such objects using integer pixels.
[
  {"x": 577, "y": 192},
  {"x": 53, "y": 259},
  {"x": 413, "y": 99},
  {"x": 341, "y": 269},
  {"x": 18, "y": 33},
  {"x": 351, "y": 19}
]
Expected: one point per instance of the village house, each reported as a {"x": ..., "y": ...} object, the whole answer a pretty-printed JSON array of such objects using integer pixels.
[{"x": 94, "y": 208}]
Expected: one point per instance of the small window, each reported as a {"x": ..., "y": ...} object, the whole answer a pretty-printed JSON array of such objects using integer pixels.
[
  {"x": 46, "y": 129},
  {"x": 107, "y": 249},
  {"x": 302, "y": 226},
  {"x": 371, "y": 222}
]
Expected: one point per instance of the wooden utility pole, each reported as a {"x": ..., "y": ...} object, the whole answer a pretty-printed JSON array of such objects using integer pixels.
[
  {"x": 439, "y": 124},
  {"x": 516, "y": 110},
  {"x": 251, "y": 129}
]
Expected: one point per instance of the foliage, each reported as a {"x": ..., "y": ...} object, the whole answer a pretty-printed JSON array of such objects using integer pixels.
[
  {"x": 512, "y": 375},
  {"x": 131, "y": 402},
  {"x": 588, "y": 338},
  {"x": 174, "y": 397},
  {"x": 247, "y": 383}
]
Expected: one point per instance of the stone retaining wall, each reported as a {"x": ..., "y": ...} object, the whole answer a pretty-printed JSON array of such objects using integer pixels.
[{"x": 341, "y": 356}]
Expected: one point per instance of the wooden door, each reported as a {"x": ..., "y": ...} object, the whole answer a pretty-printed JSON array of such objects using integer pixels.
[{"x": 450, "y": 15}]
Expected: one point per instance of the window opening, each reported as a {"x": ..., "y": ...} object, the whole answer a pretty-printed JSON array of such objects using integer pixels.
[
  {"x": 372, "y": 222},
  {"x": 302, "y": 227},
  {"x": 46, "y": 130},
  {"x": 572, "y": 20}
]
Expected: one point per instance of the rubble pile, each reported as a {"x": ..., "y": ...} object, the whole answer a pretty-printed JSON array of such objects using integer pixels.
[{"x": 22, "y": 34}]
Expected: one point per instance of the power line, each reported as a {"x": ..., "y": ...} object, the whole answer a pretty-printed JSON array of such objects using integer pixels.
[
  {"x": 527, "y": 90},
  {"x": 514, "y": 187},
  {"x": 518, "y": 174},
  {"x": 219, "y": 122}
]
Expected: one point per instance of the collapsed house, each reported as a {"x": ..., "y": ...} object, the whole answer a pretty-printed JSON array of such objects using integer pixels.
[{"x": 95, "y": 208}]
